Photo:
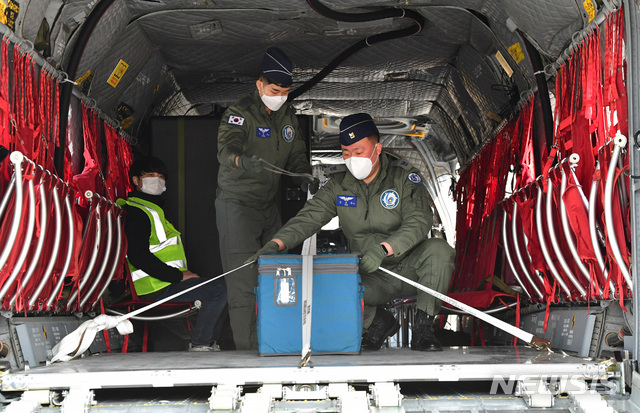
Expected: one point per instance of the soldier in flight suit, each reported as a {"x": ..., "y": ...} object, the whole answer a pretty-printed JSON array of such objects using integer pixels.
[
  {"x": 384, "y": 213},
  {"x": 259, "y": 126}
]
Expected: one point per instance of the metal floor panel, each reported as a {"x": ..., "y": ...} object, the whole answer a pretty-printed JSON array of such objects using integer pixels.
[
  {"x": 417, "y": 398},
  {"x": 246, "y": 368}
]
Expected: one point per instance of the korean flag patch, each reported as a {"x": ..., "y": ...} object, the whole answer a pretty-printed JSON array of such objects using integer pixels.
[
  {"x": 235, "y": 120},
  {"x": 415, "y": 178}
]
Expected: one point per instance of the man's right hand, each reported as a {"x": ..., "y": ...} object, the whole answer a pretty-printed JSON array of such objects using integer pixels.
[
  {"x": 269, "y": 248},
  {"x": 250, "y": 163}
]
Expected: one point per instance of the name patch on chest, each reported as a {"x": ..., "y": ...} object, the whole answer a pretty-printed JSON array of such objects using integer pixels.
[
  {"x": 346, "y": 200},
  {"x": 262, "y": 132}
]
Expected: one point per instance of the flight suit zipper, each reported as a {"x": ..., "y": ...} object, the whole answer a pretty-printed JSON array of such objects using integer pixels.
[
  {"x": 366, "y": 200},
  {"x": 272, "y": 123}
]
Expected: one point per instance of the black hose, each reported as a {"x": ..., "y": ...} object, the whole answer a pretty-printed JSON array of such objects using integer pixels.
[
  {"x": 366, "y": 17},
  {"x": 543, "y": 98},
  {"x": 66, "y": 89},
  {"x": 416, "y": 28}
]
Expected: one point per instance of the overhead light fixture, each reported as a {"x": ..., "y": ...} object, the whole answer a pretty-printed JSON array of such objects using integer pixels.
[
  {"x": 386, "y": 126},
  {"x": 396, "y": 76},
  {"x": 205, "y": 30}
]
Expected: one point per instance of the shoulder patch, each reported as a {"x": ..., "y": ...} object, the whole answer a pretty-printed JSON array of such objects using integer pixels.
[
  {"x": 336, "y": 168},
  {"x": 235, "y": 120},
  {"x": 414, "y": 177},
  {"x": 244, "y": 103},
  {"x": 402, "y": 163}
]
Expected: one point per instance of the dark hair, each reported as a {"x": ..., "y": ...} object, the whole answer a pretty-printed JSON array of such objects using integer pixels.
[
  {"x": 268, "y": 81},
  {"x": 147, "y": 164}
]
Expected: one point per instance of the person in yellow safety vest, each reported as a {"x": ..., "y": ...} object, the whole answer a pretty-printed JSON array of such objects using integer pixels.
[{"x": 156, "y": 256}]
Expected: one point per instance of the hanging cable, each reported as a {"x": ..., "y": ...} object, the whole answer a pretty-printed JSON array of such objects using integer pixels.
[
  {"x": 415, "y": 28},
  {"x": 275, "y": 169},
  {"x": 85, "y": 32}
]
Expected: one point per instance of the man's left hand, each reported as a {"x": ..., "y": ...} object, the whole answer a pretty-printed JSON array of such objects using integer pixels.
[{"x": 372, "y": 259}]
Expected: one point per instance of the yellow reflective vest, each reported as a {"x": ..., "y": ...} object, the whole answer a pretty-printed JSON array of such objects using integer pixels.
[{"x": 164, "y": 243}]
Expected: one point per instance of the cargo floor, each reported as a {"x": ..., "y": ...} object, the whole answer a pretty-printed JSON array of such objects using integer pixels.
[{"x": 171, "y": 369}]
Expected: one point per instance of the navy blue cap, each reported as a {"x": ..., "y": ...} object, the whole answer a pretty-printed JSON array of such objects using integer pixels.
[
  {"x": 277, "y": 66},
  {"x": 356, "y": 127}
]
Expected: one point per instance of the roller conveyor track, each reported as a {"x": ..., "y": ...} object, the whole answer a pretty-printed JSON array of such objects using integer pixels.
[{"x": 246, "y": 368}]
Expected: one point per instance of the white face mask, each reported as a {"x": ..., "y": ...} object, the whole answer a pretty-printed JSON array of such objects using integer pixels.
[
  {"x": 272, "y": 102},
  {"x": 153, "y": 185},
  {"x": 360, "y": 167}
]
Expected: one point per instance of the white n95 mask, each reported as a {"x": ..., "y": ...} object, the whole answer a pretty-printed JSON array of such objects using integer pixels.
[
  {"x": 360, "y": 167},
  {"x": 153, "y": 185},
  {"x": 273, "y": 102}
]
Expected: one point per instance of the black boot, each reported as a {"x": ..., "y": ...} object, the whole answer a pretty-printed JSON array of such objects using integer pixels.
[
  {"x": 384, "y": 325},
  {"x": 422, "y": 337}
]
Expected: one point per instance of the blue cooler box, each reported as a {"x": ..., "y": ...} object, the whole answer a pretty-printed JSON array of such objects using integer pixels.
[{"x": 336, "y": 314}]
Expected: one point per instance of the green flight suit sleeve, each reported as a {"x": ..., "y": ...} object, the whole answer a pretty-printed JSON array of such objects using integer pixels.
[
  {"x": 417, "y": 218},
  {"x": 297, "y": 161},
  {"x": 231, "y": 137},
  {"x": 315, "y": 214}
]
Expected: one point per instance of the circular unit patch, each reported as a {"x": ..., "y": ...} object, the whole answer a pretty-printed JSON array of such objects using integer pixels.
[
  {"x": 389, "y": 199},
  {"x": 415, "y": 178},
  {"x": 288, "y": 133}
]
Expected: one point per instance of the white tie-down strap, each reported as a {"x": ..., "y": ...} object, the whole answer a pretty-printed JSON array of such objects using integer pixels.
[
  {"x": 507, "y": 328},
  {"x": 308, "y": 251},
  {"x": 69, "y": 348},
  {"x": 307, "y": 302},
  {"x": 309, "y": 245},
  {"x": 78, "y": 341}
]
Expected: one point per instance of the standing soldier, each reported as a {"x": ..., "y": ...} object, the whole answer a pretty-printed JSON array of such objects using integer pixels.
[{"x": 261, "y": 126}]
